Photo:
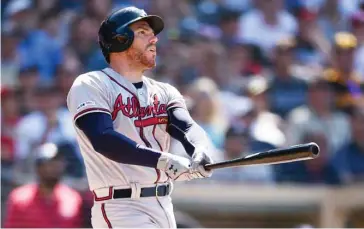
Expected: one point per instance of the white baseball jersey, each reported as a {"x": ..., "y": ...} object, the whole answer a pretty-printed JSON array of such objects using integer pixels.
[{"x": 139, "y": 114}]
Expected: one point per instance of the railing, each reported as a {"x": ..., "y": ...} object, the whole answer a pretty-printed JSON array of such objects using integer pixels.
[{"x": 320, "y": 206}]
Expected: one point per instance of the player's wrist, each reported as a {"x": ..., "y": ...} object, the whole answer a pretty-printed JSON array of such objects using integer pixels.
[{"x": 164, "y": 160}]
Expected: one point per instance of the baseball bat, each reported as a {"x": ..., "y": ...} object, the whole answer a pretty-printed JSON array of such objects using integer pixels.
[{"x": 293, "y": 153}]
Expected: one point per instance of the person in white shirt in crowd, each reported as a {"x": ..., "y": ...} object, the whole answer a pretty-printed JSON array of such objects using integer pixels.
[
  {"x": 344, "y": 7},
  {"x": 266, "y": 24},
  {"x": 206, "y": 109},
  {"x": 50, "y": 123},
  {"x": 264, "y": 125},
  {"x": 357, "y": 26}
]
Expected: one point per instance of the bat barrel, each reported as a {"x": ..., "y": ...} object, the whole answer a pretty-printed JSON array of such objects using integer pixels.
[
  {"x": 276, "y": 156},
  {"x": 314, "y": 149}
]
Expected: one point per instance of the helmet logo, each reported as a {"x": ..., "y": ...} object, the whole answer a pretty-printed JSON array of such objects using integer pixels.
[
  {"x": 121, "y": 38},
  {"x": 143, "y": 13}
]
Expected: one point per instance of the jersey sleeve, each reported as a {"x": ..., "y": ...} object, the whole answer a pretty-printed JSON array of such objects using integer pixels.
[
  {"x": 88, "y": 94},
  {"x": 174, "y": 97}
]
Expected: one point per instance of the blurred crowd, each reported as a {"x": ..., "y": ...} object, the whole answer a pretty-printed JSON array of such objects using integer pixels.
[{"x": 256, "y": 75}]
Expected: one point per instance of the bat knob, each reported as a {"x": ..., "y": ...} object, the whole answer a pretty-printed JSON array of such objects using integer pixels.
[{"x": 314, "y": 149}]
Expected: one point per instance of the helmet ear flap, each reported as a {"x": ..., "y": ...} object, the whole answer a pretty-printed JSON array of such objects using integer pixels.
[
  {"x": 105, "y": 52},
  {"x": 123, "y": 41},
  {"x": 116, "y": 42}
]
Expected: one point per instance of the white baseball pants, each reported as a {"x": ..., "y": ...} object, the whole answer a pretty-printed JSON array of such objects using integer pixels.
[{"x": 141, "y": 212}]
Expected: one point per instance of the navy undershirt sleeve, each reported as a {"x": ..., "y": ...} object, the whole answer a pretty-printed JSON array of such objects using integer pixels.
[
  {"x": 182, "y": 127},
  {"x": 98, "y": 127}
]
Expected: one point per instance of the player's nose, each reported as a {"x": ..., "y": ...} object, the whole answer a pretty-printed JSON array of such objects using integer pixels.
[{"x": 153, "y": 39}]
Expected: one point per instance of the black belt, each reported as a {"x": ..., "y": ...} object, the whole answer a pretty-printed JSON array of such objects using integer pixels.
[{"x": 160, "y": 190}]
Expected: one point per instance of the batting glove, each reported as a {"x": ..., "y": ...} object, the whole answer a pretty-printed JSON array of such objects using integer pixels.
[
  {"x": 199, "y": 159},
  {"x": 176, "y": 167}
]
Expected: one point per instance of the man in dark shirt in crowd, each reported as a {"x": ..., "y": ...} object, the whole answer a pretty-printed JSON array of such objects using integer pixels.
[
  {"x": 239, "y": 143},
  {"x": 47, "y": 204},
  {"x": 349, "y": 161},
  {"x": 307, "y": 49},
  {"x": 286, "y": 91},
  {"x": 317, "y": 171}
]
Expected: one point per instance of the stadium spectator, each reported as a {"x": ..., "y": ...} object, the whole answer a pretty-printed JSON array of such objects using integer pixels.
[
  {"x": 348, "y": 85},
  {"x": 205, "y": 110},
  {"x": 28, "y": 81},
  {"x": 244, "y": 62},
  {"x": 46, "y": 203},
  {"x": 44, "y": 6},
  {"x": 10, "y": 57},
  {"x": 317, "y": 115},
  {"x": 238, "y": 143},
  {"x": 266, "y": 24},
  {"x": 286, "y": 91},
  {"x": 349, "y": 159},
  {"x": 331, "y": 19},
  {"x": 9, "y": 117},
  {"x": 83, "y": 38},
  {"x": 357, "y": 26},
  {"x": 48, "y": 124},
  {"x": 229, "y": 25},
  {"x": 311, "y": 172},
  {"x": 264, "y": 125},
  {"x": 98, "y": 10},
  {"x": 44, "y": 47},
  {"x": 20, "y": 17},
  {"x": 311, "y": 44},
  {"x": 66, "y": 74}
]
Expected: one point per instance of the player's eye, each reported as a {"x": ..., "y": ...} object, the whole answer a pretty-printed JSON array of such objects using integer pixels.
[{"x": 142, "y": 32}]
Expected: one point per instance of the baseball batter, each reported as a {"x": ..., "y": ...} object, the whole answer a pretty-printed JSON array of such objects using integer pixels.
[{"x": 124, "y": 121}]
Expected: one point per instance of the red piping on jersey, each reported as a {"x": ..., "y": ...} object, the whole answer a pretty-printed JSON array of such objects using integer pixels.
[
  {"x": 108, "y": 197},
  {"x": 157, "y": 120},
  {"x": 151, "y": 121},
  {"x": 160, "y": 147},
  {"x": 90, "y": 109},
  {"x": 141, "y": 133},
  {"x": 158, "y": 176},
  {"x": 105, "y": 216}
]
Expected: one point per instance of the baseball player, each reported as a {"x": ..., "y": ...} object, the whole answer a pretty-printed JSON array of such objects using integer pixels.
[{"x": 124, "y": 122}]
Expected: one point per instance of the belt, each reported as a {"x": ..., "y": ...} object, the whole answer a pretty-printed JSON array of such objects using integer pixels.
[{"x": 160, "y": 190}]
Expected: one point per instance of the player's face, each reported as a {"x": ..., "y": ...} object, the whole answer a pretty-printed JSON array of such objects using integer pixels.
[{"x": 143, "y": 49}]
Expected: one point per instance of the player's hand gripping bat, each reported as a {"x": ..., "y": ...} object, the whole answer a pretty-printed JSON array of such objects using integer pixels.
[{"x": 276, "y": 156}]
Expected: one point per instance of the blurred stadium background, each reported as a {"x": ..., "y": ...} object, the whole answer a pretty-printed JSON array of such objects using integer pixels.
[{"x": 256, "y": 75}]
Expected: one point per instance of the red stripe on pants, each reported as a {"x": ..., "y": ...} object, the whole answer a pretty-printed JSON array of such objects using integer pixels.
[{"x": 104, "y": 215}]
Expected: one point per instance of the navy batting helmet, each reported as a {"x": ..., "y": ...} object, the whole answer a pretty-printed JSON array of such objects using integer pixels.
[{"x": 115, "y": 34}]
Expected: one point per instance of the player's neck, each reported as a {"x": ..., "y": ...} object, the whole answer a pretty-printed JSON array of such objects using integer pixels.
[{"x": 128, "y": 71}]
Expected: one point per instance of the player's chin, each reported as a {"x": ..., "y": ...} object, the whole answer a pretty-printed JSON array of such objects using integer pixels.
[
  {"x": 150, "y": 66},
  {"x": 151, "y": 62}
]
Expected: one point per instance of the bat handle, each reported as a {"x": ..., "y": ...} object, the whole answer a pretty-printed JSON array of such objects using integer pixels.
[{"x": 209, "y": 167}]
